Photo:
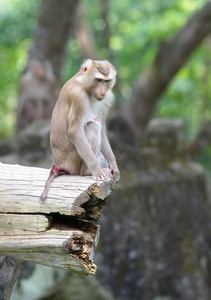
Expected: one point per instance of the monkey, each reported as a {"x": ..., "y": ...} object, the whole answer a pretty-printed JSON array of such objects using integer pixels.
[
  {"x": 78, "y": 125},
  {"x": 37, "y": 93}
]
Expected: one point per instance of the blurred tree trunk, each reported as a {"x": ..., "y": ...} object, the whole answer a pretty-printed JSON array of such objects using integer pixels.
[
  {"x": 171, "y": 56},
  {"x": 84, "y": 33},
  {"x": 106, "y": 32},
  {"x": 38, "y": 90},
  {"x": 201, "y": 141},
  {"x": 55, "y": 22}
]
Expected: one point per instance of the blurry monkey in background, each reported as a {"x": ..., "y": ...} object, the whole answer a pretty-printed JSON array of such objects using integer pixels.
[
  {"x": 37, "y": 93},
  {"x": 78, "y": 124}
]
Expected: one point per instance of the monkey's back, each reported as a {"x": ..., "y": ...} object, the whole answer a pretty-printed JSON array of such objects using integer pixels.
[{"x": 63, "y": 150}]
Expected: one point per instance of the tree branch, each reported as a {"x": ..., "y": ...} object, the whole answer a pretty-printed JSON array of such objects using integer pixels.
[{"x": 171, "y": 56}]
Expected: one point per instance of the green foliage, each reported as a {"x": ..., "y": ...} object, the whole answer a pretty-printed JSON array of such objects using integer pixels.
[
  {"x": 17, "y": 20},
  {"x": 73, "y": 62},
  {"x": 136, "y": 29},
  {"x": 190, "y": 92}
]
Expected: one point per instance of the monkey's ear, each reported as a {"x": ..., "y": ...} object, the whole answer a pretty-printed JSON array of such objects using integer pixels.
[
  {"x": 86, "y": 65},
  {"x": 84, "y": 68}
]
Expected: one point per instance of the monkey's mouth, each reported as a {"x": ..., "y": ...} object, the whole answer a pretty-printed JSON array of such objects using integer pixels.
[{"x": 99, "y": 98}]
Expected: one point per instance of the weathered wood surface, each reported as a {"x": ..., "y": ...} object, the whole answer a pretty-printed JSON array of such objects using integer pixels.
[
  {"x": 21, "y": 187},
  {"x": 52, "y": 248},
  {"x": 58, "y": 233},
  {"x": 25, "y": 222}
]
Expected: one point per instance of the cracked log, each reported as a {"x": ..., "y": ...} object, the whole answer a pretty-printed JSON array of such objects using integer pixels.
[{"x": 62, "y": 232}]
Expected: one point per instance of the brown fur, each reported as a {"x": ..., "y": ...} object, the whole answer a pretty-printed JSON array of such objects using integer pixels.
[{"x": 78, "y": 130}]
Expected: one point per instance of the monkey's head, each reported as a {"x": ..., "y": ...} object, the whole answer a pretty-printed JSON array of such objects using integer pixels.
[{"x": 97, "y": 77}]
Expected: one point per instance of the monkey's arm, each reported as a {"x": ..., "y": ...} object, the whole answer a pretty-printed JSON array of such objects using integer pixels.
[
  {"x": 76, "y": 132},
  {"x": 109, "y": 155}
]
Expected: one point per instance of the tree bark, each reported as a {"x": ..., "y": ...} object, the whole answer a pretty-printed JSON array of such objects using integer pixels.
[
  {"x": 55, "y": 21},
  {"x": 201, "y": 142},
  {"x": 10, "y": 269},
  {"x": 171, "y": 56}
]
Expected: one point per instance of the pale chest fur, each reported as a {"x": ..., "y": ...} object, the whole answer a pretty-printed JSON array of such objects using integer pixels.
[
  {"x": 95, "y": 113},
  {"x": 98, "y": 110}
]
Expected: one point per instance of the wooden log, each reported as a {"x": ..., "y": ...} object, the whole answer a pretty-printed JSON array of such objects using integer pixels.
[
  {"x": 66, "y": 249},
  {"x": 59, "y": 233},
  {"x": 81, "y": 196},
  {"x": 25, "y": 222}
]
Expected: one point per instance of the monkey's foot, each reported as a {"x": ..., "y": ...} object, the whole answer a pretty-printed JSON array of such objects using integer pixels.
[
  {"x": 101, "y": 178},
  {"x": 106, "y": 175}
]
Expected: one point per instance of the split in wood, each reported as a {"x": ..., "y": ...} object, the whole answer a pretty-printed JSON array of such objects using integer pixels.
[{"x": 59, "y": 233}]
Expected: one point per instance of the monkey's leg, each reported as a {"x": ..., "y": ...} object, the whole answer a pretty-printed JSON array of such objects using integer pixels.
[
  {"x": 93, "y": 136},
  {"x": 51, "y": 177}
]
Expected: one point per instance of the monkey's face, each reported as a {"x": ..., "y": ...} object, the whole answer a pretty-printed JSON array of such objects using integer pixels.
[
  {"x": 100, "y": 88},
  {"x": 97, "y": 77}
]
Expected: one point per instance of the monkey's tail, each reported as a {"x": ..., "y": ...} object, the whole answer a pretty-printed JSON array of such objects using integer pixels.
[{"x": 51, "y": 177}]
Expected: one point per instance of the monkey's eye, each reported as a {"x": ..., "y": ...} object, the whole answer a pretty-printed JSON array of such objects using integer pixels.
[
  {"x": 99, "y": 80},
  {"x": 107, "y": 81}
]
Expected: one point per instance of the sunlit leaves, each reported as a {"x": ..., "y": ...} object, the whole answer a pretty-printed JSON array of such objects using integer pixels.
[{"x": 116, "y": 42}]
